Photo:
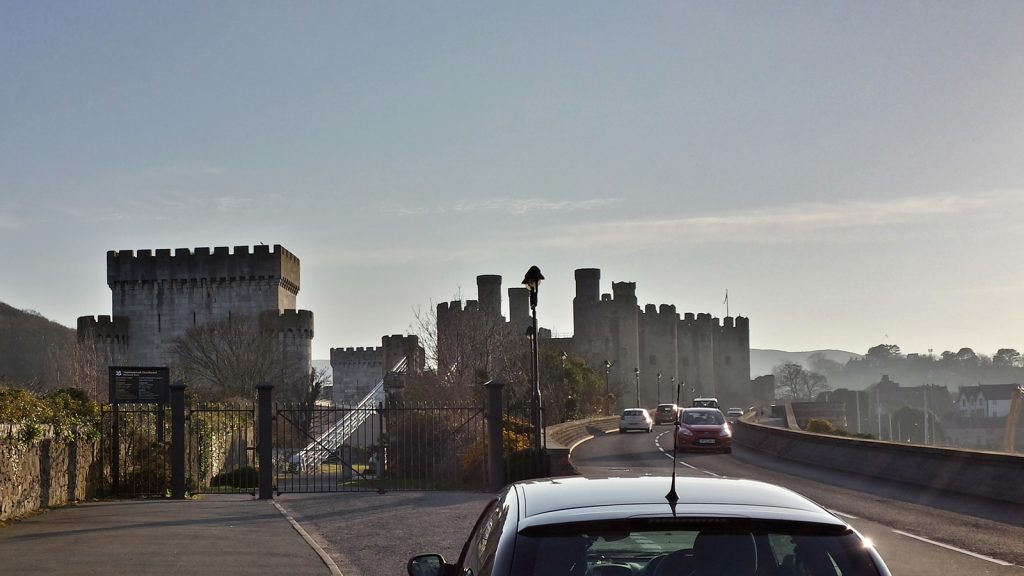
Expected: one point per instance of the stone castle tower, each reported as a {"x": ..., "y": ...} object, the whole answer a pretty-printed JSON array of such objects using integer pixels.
[
  {"x": 356, "y": 371},
  {"x": 708, "y": 357},
  {"x": 157, "y": 296}
]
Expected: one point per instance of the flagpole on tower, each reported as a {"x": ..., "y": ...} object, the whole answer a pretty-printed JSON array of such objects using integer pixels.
[{"x": 726, "y": 302}]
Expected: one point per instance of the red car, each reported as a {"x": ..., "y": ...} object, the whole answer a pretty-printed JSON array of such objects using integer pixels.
[{"x": 703, "y": 429}]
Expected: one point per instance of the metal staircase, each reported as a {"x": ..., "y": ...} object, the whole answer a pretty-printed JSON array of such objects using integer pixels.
[{"x": 311, "y": 457}]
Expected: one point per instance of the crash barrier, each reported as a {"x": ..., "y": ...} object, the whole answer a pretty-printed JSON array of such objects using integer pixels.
[
  {"x": 562, "y": 438},
  {"x": 985, "y": 474}
]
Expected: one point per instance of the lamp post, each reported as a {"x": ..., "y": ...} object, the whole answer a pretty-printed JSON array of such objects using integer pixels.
[
  {"x": 532, "y": 283},
  {"x": 607, "y": 389},
  {"x": 637, "y": 372},
  {"x": 659, "y": 387}
]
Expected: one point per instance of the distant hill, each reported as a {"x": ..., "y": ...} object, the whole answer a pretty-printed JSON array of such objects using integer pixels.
[
  {"x": 29, "y": 346},
  {"x": 764, "y": 361}
]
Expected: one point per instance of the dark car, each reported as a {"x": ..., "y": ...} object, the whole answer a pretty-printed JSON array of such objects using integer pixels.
[
  {"x": 703, "y": 429},
  {"x": 627, "y": 526},
  {"x": 666, "y": 413}
]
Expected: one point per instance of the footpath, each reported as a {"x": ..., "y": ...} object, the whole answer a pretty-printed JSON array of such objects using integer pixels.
[{"x": 206, "y": 536}]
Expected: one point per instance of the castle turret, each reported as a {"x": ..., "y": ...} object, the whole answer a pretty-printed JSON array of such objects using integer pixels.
[
  {"x": 519, "y": 308},
  {"x": 488, "y": 291}
]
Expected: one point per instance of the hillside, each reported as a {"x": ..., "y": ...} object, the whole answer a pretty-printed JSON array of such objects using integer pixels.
[
  {"x": 764, "y": 361},
  {"x": 30, "y": 345}
]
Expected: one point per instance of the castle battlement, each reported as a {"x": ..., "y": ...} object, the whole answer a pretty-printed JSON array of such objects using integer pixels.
[
  {"x": 220, "y": 264},
  {"x": 624, "y": 290},
  {"x": 103, "y": 326},
  {"x": 357, "y": 355},
  {"x": 299, "y": 321}
]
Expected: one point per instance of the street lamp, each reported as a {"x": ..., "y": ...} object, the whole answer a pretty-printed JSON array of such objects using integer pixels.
[
  {"x": 659, "y": 387},
  {"x": 607, "y": 390},
  {"x": 637, "y": 372},
  {"x": 532, "y": 283}
]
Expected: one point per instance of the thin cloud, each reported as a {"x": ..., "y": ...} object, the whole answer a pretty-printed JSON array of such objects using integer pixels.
[
  {"x": 516, "y": 207},
  {"x": 8, "y": 222},
  {"x": 838, "y": 221}
]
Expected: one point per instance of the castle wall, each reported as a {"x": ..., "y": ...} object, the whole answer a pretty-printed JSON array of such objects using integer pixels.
[
  {"x": 658, "y": 354},
  {"x": 355, "y": 372},
  {"x": 696, "y": 351},
  {"x": 732, "y": 362}
]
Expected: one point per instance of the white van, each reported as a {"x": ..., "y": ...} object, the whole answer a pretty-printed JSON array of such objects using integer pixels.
[{"x": 704, "y": 403}]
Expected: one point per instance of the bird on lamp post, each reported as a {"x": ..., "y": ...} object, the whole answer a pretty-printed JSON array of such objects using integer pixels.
[{"x": 532, "y": 283}]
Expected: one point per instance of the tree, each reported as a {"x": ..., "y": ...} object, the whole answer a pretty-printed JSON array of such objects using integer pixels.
[
  {"x": 314, "y": 386},
  {"x": 225, "y": 360},
  {"x": 793, "y": 382},
  {"x": 822, "y": 364},
  {"x": 883, "y": 352},
  {"x": 1007, "y": 357},
  {"x": 967, "y": 356}
]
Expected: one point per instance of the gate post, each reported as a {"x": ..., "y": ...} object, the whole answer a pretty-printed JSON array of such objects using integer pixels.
[
  {"x": 495, "y": 437},
  {"x": 178, "y": 440},
  {"x": 265, "y": 441}
]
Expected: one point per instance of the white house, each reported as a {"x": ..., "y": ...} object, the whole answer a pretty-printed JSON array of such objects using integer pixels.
[{"x": 985, "y": 400}]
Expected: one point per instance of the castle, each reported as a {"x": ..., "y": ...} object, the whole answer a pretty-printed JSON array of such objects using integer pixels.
[
  {"x": 708, "y": 357},
  {"x": 157, "y": 296},
  {"x": 355, "y": 371}
]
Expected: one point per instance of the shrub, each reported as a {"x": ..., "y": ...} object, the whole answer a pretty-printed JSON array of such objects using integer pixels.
[
  {"x": 69, "y": 411},
  {"x": 821, "y": 426}
]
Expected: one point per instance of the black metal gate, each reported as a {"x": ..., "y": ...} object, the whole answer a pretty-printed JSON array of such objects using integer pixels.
[
  {"x": 221, "y": 453},
  {"x": 136, "y": 449},
  {"x": 393, "y": 446},
  {"x": 134, "y": 457}
]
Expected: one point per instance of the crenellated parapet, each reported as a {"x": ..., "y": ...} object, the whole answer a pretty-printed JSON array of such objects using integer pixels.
[
  {"x": 624, "y": 291},
  {"x": 103, "y": 327},
  {"x": 218, "y": 264},
  {"x": 294, "y": 323},
  {"x": 398, "y": 346}
]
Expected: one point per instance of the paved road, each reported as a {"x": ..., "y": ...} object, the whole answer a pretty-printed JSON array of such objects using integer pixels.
[{"x": 885, "y": 512}]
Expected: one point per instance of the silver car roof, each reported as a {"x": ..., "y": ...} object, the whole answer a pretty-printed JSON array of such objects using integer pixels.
[{"x": 579, "y": 499}]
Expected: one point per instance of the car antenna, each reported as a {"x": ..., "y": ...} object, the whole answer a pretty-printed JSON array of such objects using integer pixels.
[{"x": 672, "y": 497}]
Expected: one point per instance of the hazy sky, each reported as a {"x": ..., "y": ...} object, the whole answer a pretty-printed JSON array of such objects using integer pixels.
[{"x": 852, "y": 172}]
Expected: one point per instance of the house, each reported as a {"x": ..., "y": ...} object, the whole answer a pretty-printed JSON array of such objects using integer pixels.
[{"x": 985, "y": 400}]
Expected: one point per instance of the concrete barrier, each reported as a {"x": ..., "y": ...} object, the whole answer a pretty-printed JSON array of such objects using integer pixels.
[
  {"x": 562, "y": 438},
  {"x": 986, "y": 474}
]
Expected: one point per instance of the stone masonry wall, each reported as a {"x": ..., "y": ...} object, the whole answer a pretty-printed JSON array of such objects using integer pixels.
[{"x": 44, "y": 472}]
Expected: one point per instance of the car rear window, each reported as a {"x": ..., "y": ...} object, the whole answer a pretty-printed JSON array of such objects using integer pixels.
[{"x": 713, "y": 548}]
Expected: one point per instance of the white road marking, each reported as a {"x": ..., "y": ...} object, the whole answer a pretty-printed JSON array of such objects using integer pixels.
[{"x": 954, "y": 548}]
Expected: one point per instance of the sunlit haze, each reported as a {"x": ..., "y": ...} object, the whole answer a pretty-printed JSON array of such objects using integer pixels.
[{"x": 852, "y": 173}]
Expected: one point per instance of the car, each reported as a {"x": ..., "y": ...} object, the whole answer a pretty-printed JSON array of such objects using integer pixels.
[
  {"x": 704, "y": 403},
  {"x": 703, "y": 429},
  {"x": 732, "y": 414},
  {"x": 666, "y": 413},
  {"x": 635, "y": 419},
  {"x": 579, "y": 526}
]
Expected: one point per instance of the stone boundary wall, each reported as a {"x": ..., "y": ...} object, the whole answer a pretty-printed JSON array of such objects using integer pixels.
[
  {"x": 562, "y": 438},
  {"x": 45, "y": 472},
  {"x": 986, "y": 474}
]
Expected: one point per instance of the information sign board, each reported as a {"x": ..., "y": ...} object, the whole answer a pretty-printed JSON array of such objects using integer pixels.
[{"x": 141, "y": 385}]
